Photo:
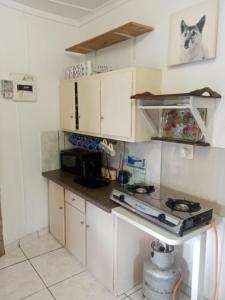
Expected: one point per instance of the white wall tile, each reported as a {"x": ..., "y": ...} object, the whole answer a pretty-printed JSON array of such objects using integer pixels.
[{"x": 50, "y": 150}]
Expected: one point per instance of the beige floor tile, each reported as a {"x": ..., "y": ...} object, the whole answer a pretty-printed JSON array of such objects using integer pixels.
[
  {"x": 13, "y": 255},
  {"x": 43, "y": 295},
  {"x": 134, "y": 290},
  {"x": 56, "y": 266},
  {"x": 183, "y": 297},
  {"x": 29, "y": 237},
  {"x": 81, "y": 287},
  {"x": 122, "y": 297},
  {"x": 39, "y": 246},
  {"x": 137, "y": 295},
  {"x": 19, "y": 281}
]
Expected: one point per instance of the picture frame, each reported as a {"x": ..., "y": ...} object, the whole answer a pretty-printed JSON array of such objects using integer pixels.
[{"x": 193, "y": 34}]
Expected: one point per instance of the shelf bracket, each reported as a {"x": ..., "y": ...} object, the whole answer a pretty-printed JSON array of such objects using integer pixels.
[
  {"x": 150, "y": 123},
  {"x": 201, "y": 124}
]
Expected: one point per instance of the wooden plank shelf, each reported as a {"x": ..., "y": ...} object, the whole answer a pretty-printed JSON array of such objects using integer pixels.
[
  {"x": 204, "y": 98},
  {"x": 117, "y": 35},
  {"x": 196, "y": 93},
  {"x": 170, "y": 140}
]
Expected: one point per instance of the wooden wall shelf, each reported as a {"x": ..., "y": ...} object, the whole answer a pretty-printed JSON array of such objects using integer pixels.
[
  {"x": 179, "y": 96},
  {"x": 117, "y": 35},
  {"x": 204, "y": 98},
  {"x": 201, "y": 144}
]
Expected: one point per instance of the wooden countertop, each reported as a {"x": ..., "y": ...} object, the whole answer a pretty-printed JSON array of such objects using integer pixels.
[{"x": 99, "y": 196}]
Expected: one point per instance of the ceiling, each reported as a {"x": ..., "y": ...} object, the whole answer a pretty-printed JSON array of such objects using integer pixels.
[{"x": 74, "y": 9}]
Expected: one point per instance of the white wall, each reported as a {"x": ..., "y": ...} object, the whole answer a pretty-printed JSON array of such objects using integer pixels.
[
  {"x": 35, "y": 45},
  {"x": 204, "y": 176}
]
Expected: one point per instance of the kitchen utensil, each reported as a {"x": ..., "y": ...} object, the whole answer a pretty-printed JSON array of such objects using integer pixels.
[{"x": 123, "y": 177}]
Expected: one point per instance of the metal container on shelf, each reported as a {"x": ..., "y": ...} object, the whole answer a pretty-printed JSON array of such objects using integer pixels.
[{"x": 160, "y": 273}]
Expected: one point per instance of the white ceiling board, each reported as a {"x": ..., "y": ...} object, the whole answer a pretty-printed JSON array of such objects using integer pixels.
[
  {"x": 74, "y": 9},
  {"x": 54, "y": 8},
  {"x": 92, "y": 4}
]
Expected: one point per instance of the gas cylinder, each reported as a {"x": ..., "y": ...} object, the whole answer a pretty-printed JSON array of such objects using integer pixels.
[{"x": 160, "y": 273}]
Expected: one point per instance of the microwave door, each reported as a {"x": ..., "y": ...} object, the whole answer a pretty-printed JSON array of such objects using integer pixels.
[
  {"x": 71, "y": 163},
  {"x": 91, "y": 169}
]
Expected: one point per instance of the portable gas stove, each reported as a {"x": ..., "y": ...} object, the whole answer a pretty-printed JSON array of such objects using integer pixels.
[{"x": 175, "y": 215}]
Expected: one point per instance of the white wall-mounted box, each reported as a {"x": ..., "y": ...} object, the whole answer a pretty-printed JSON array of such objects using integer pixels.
[{"x": 24, "y": 87}]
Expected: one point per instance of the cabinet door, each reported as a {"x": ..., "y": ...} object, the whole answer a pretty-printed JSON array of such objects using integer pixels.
[
  {"x": 132, "y": 248},
  {"x": 67, "y": 105},
  {"x": 56, "y": 212},
  {"x": 100, "y": 244},
  {"x": 89, "y": 105},
  {"x": 76, "y": 233},
  {"x": 116, "y": 105}
]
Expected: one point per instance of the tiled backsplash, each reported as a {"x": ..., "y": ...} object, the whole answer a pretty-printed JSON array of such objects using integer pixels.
[
  {"x": 151, "y": 151},
  {"x": 49, "y": 150},
  {"x": 202, "y": 177},
  {"x": 52, "y": 142}
]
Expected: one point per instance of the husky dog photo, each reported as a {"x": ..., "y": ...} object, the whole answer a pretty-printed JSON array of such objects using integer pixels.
[{"x": 193, "y": 34}]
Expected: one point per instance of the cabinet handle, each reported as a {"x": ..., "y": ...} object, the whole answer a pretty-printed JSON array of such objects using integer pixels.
[
  {"x": 87, "y": 226},
  {"x": 102, "y": 118},
  {"x": 61, "y": 208},
  {"x": 82, "y": 222},
  {"x": 71, "y": 117},
  {"x": 73, "y": 199}
]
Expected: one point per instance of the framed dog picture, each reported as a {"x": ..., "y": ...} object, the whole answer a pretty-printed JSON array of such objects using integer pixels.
[{"x": 193, "y": 34}]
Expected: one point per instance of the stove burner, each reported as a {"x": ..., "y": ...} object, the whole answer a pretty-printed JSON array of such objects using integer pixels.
[
  {"x": 140, "y": 189},
  {"x": 173, "y": 214},
  {"x": 183, "y": 205}
]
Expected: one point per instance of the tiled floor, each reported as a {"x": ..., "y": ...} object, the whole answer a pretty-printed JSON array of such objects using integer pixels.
[{"x": 42, "y": 270}]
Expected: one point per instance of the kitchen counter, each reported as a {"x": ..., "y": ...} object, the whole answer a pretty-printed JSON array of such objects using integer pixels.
[{"x": 99, "y": 196}]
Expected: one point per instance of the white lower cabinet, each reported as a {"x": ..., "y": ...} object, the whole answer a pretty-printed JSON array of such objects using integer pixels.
[
  {"x": 112, "y": 249},
  {"x": 56, "y": 212},
  {"x": 132, "y": 247},
  {"x": 76, "y": 233},
  {"x": 100, "y": 244}
]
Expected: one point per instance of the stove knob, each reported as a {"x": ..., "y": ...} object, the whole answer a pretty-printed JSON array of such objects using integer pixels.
[
  {"x": 161, "y": 217},
  {"x": 121, "y": 198}
]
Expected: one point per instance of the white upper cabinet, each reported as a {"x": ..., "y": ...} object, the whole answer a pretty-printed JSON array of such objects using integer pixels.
[
  {"x": 103, "y": 106},
  {"x": 67, "y": 105},
  {"x": 116, "y": 105},
  {"x": 89, "y": 105}
]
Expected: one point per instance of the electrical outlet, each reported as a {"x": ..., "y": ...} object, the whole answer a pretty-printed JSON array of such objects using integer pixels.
[{"x": 187, "y": 151}]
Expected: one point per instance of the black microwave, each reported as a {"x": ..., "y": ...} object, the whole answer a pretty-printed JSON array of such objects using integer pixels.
[{"x": 82, "y": 163}]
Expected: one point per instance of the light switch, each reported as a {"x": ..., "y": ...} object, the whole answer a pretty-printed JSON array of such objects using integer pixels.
[{"x": 187, "y": 151}]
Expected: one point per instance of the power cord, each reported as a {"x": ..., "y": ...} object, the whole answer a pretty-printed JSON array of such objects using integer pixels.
[{"x": 178, "y": 283}]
